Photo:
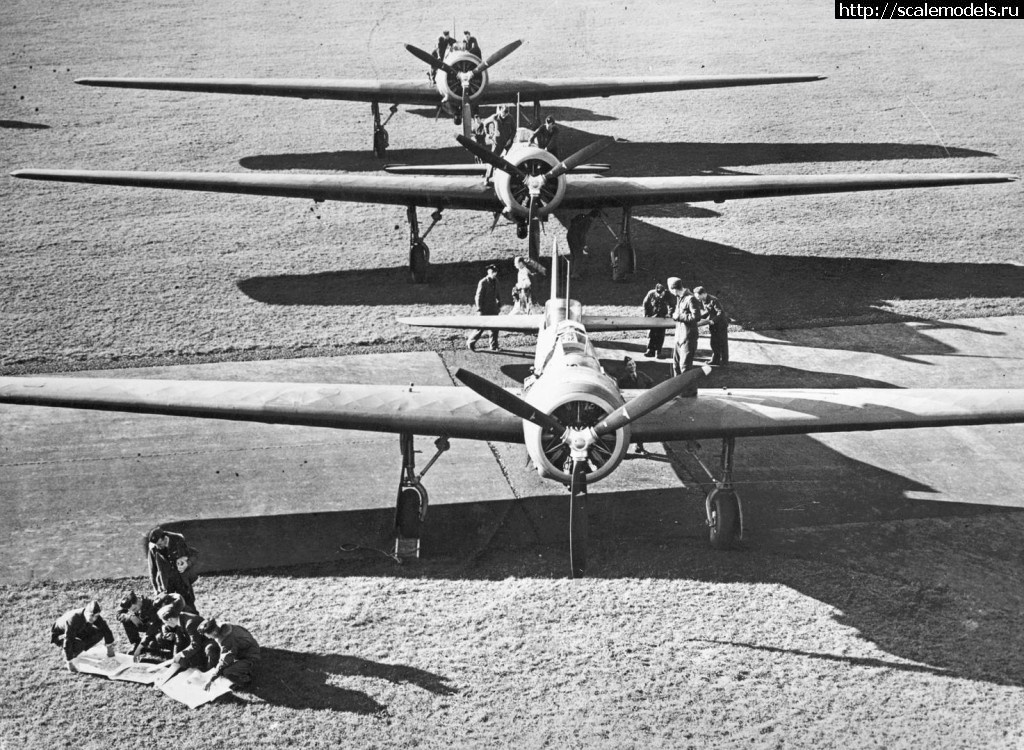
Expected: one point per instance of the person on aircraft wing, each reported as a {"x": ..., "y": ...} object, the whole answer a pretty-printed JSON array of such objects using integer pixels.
[
  {"x": 657, "y": 304},
  {"x": 633, "y": 379},
  {"x": 546, "y": 136},
  {"x": 444, "y": 43},
  {"x": 687, "y": 315},
  {"x": 488, "y": 302},
  {"x": 470, "y": 44}
]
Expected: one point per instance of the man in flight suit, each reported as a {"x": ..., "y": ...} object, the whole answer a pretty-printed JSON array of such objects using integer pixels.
[
  {"x": 687, "y": 316},
  {"x": 488, "y": 302},
  {"x": 718, "y": 326},
  {"x": 78, "y": 630}
]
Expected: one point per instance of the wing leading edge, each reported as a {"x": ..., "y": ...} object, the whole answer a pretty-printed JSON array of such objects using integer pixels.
[
  {"x": 764, "y": 412},
  {"x": 472, "y": 194}
]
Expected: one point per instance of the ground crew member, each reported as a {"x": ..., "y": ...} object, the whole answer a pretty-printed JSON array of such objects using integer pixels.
[
  {"x": 137, "y": 615},
  {"x": 687, "y": 315},
  {"x": 576, "y": 239},
  {"x": 657, "y": 304},
  {"x": 633, "y": 378},
  {"x": 546, "y": 136},
  {"x": 239, "y": 652},
  {"x": 488, "y": 302},
  {"x": 444, "y": 42},
  {"x": 718, "y": 326},
  {"x": 470, "y": 44},
  {"x": 193, "y": 648},
  {"x": 78, "y": 630}
]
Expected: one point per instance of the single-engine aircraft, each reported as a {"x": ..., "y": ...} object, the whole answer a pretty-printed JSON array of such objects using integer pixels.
[
  {"x": 574, "y": 421},
  {"x": 461, "y": 83},
  {"x": 528, "y": 185}
]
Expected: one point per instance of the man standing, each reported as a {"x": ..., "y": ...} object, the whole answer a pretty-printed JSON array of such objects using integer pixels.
[
  {"x": 718, "y": 326},
  {"x": 576, "y": 239},
  {"x": 239, "y": 652},
  {"x": 488, "y": 302},
  {"x": 687, "y": 315},
  {"x": 501, "y": 129},
  {"x": 657, "y": 304},
  {"x": 546, "y": 136},
  {"x": 78, "y": 630}
]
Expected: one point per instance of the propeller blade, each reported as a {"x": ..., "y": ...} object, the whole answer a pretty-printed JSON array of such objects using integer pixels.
[
  {"x": 533, "y": 229},
  {"x": 578, "y": 522},
  {"x": 498, "y": 56},
  {"x": 467, "y": 117},
  {"x": 650, "y": 400},
  {"x": 489, "y": 157},
  {"x": 430, "y": 60},
  {"x": 509, "y": 402},
  {"x": 582, "y": 156}
]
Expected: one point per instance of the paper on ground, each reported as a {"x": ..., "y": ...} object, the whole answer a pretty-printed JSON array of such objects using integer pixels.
[{"x": 187, "y": 687}]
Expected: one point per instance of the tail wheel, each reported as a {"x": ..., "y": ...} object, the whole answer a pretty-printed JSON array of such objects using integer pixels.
[
  {"x": 419, "y": 261},
  {"x": 723, "y": 518}
]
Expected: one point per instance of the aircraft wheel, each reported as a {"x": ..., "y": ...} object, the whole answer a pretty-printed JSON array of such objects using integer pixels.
[
  {"x": 380, "y": 142},
  {"x": 724, "y": 512},
  {"x": 410, "y": 506},
  {"x": 419, "y": 262}
]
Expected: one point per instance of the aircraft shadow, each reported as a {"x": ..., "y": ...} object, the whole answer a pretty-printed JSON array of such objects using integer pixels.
[
  {"x": 20, "y": 125},
  {"x": 356, "y": 161},
  {"x": 296, "y": 679},
  {"x": 820, "y": 291}
]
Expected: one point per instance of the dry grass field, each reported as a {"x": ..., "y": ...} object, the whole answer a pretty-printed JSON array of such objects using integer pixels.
[{"x": 896, "y": 634}]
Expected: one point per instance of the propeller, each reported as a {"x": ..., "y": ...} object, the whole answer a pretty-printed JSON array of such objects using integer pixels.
[
  {"x": 649, "y": 400},
  {"x": 430, "y": 60},
  {"x": 509, "y": 402},
  {"x": 580, "y": 441},
  {"x": 498, "y": 56},
  {"x": 467, "y": 117},
  {"x": 489, "y": 157},
  {"x": 579, "y": 158}
]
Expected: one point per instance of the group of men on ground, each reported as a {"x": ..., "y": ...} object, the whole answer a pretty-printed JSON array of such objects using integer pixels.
[
  {"x": 166, "y": 627},
  {"x": 690, "y": 310}
]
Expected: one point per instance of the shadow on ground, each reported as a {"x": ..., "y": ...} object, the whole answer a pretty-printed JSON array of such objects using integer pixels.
[{"x": 302, "y": 680}]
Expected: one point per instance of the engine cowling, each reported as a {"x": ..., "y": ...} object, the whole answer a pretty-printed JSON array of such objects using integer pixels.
[
  {"x": 454, "y": 86},
  {"x": 517, "y": 193},
  {"x": 577, "y": 406}
]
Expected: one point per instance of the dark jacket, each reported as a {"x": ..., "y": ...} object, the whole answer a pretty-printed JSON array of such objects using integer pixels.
[
  {"x": 488, "y": 299},
  {"x": 640, "y": 381},
  {"x": 237, "y": 645},
  {"x": 72, "y": 626},
  {"x": 658, "y": 306}
]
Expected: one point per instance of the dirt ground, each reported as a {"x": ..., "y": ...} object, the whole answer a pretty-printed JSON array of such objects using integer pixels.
[{"x": 830, "y": 637}]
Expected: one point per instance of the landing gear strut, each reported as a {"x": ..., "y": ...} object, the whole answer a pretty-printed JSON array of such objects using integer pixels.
[
  {"x": 722, "y": 504},
  {"x": 411, "y": 505},
  {"x": 419, "y": 252},
  {"x": 381, "y": 141},
  {"x": 623, "y": 256}
]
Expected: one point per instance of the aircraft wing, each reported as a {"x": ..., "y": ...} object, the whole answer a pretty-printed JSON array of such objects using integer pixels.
[
  {"x": 599, "y": 192},
  {"x": 419, "y": 91},
  {"x": 434, "y": 192},
  {"x": 498, "y": 91},
  {"x": 762, "y": 412},
  {"x": 532, "y": 323},
  {"x": 421, "y": 410}
]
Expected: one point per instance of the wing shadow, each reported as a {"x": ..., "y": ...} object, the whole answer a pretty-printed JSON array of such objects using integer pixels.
[{"x": 20, "y": 125}]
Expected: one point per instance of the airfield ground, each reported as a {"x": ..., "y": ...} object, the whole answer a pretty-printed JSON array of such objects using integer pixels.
[{"x": 856, "y": 613}]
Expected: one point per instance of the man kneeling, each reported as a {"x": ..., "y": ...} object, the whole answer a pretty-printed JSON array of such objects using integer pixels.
[{"x": 239, "y": 653}]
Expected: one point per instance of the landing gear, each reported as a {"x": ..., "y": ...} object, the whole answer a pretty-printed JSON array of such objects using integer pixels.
[
  {"x": 381, "y": 140},
  {"x": 522, "y": 230},
  {"x": 722, "y": 505},
  {"x": 419, "y": 252},
  {"x": 623, "y": 257},
  {"x": 411, "y": 505}
]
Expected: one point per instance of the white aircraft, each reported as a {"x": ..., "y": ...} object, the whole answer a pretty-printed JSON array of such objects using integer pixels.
[
  {"x": 529, "y": 184},
  {"x": 464, "y": 85},
  {"x": 572, "y": 418}
]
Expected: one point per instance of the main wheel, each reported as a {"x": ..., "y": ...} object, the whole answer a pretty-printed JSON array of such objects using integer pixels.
[
  {"x": 725, "y": 518},
  {"x": 380, "y": 142},
  {"x": 419, "y": 262}
]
